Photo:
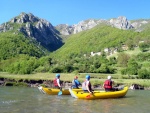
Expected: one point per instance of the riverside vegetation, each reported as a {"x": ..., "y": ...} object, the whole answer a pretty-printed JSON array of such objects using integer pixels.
[
  {"x": 21, "y": 55},
  {"x": 96, "y": 79}
]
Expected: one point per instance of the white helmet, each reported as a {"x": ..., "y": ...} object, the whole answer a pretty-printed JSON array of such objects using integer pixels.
[{"x": 109, "y": 77}]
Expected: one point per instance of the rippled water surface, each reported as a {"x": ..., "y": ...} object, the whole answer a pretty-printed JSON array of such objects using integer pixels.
[{"x": 30, "y": 100}]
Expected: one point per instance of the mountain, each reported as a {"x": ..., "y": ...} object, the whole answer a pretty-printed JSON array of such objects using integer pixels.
[
  {"x": 121, "y": 23},
  {"x": 36, "y": 29},
  {"x": 94, "y": 36},
  {"x": 141, "y": 24},
  {"x": 44, "y": 37},
  {"x": 96, "y": 40},
  {"x": 27, "y": 40}
]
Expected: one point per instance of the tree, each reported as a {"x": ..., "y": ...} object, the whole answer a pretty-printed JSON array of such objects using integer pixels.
[
  {"x": 122, "y": 59},
  {"x": 144, "y": 46},
  {"x": 133, "y": 67},
  {"x": 103, "y": 69},
  {"x": 112, "y": 60},
  {"x": 144, "y": 74},
  {"x": 130, "y": 44}
]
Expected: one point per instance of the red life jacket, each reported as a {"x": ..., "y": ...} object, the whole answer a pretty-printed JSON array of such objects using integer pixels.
[
  {"x": 108, "y": 84},
  {"x": 55, "y": 82}
]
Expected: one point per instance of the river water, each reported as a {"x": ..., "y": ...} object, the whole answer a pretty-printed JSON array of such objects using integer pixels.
[{"x": 30, "y": 100}]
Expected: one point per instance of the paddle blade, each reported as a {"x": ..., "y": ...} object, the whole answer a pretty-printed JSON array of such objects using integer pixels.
[
  {"x": 88, "y": 96},
  {"x": 59, "y": 93},
  {"x": 41, "y": 89}
]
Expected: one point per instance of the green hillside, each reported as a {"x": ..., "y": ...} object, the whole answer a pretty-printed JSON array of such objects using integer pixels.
[
  {"x": 75, "y": 55},
  {"x": 12, "y": 45},
  {"x": 95, "y": 40},
  {"x": 22, "y": 55}
]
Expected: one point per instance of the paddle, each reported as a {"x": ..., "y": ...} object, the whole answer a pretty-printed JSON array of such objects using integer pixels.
[
  {"x": 60, "y": 92},
  {"x": 41, "y": 89},
  {"x": 88, "y": 96}
]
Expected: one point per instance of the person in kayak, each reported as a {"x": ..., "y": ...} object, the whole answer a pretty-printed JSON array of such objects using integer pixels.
[
  {"x": 57, "y": 82},
  {"x": 108, "y": 84},
  {"x": 86, "y": 85},
  {"x": 75, "y": 83}
]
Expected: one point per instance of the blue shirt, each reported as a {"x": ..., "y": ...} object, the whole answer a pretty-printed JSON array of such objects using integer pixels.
[{"x": 75, "y": 83}]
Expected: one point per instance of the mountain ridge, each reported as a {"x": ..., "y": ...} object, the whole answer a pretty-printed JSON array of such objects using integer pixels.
[
  {"x": 50, "y": 37},
  {"x": 121, "y": 23},
  {"x": 64, "y": 29},
  {"x": 35, "y": 28},
  {"x": 25, "y": 39}
]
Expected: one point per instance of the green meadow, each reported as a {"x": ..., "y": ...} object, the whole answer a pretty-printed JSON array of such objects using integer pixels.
[{"x": 96, "y": 79}]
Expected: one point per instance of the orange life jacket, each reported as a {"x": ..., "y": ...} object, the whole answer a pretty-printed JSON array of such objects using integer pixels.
[{"x": 108, "y": 84}]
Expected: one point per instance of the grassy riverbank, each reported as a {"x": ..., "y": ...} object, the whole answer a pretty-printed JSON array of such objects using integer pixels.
[{"x": 95, "y": 78}]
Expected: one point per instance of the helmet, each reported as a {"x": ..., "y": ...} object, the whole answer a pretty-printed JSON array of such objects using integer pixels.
[
  {"x": 57, "y": 75},
  {"x": 88, "y": 77},
  {"x": 109, "y": 77},
  {"x": 76, "y": 77}
]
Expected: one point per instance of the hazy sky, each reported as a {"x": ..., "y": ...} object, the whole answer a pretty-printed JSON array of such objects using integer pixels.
[{"x": 73, "y": 11}]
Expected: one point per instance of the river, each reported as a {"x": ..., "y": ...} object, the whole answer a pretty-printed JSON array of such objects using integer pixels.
[{"x": 30, "y": 100}]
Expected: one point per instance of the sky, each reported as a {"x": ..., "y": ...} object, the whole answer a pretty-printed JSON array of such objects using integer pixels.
[{"x": 73, "y": 11}]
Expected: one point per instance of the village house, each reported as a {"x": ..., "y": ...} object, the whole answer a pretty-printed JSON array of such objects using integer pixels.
[{"x": 93, "y": 54}]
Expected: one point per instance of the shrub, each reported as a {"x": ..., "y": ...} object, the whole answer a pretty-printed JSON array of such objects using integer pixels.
[
  {"x": 122, "y": 59},
  {"x": 124, "y": 71},
  {"x": 144, "y": 46},
  {"x": 144, "y": 74},
  {"x": 56, "y": 70}
]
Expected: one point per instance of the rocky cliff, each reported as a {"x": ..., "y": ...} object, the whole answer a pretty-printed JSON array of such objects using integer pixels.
[
  {"x": 121, "y": 23},
  {"x": 81, "y": 26},
  {"x": 38, "y": 29},
  {"x": 47, "y": 35}
]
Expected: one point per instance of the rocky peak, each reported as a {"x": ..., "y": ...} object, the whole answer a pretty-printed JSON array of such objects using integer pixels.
[
  {"x": 64, "y": 29},
  {"x": 24, "y": 18},
  {"x": 84, "y": 25},
  {"x": 81, "y": 26},
  {"x": 121, "y": 22},
  {"x": 44, "y": 24},
  {"x": 139, "y": 24},
  {"x": 38, "y": 29}
]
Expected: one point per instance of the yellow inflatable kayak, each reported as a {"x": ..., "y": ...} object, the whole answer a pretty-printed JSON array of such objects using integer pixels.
[
  {"x": 52, "y": 91},
  {"x": 99, "y": 94}
]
